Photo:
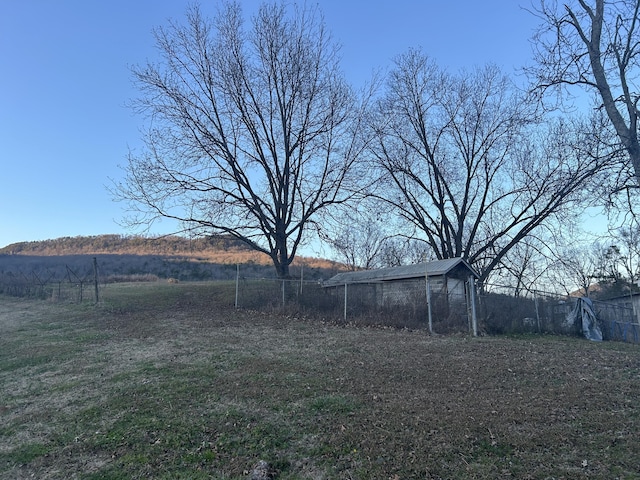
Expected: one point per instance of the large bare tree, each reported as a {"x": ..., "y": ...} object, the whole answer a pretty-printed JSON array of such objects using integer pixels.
[
  {"x": 595, "y": 44},
  {"x": 253, "y": 131},
  {"x": 468, "y": 167}
]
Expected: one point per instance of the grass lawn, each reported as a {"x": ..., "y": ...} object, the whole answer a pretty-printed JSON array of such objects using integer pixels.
[{"x": 169, "y": 382}]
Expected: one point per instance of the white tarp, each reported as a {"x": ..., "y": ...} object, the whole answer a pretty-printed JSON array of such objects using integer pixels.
[{"x": 583, "y": 316}]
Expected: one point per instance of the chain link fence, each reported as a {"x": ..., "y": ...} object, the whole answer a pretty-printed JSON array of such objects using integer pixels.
[
  {"x": 363, "y": 304},
  {"x": 499, "y": 309},
  {"x": 503, "y": 312}
]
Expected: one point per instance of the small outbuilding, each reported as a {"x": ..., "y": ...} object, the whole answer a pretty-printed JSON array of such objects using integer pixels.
[{"x": 442, "y": 283}]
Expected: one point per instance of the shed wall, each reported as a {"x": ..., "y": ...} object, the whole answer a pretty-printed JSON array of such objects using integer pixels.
[{"x": 400, "y": 292}]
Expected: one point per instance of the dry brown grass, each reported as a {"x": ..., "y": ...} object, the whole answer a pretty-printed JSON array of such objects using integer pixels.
[{"x": 160, "y": 381}]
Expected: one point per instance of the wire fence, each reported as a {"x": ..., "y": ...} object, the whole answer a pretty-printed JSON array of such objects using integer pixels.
[
  {"x": 60, "y": 284},
  {"x": 500, "y": 309},
  {"x": 503, "y": 312},
  {"x": 617, "y": 321},
  {"x": 404, "y": 306},
  {"x": 412, "y": 304}
]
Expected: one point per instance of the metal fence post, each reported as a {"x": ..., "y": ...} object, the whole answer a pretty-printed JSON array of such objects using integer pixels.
[
  {"x": 95, "y": 277},
  {"x": 237, "y": 281},
  {"x": 428, "y": 288},
  {"x": 474, "y": 317},
  {"x": 345, "y": 302},
  {"x": 535, "y": 301}
]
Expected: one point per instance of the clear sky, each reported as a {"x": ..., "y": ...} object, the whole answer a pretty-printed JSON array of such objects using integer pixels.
[{"x": 65, "y": 81}]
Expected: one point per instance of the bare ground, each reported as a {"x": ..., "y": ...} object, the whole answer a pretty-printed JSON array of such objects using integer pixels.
[{"x": 168, "y": 382}]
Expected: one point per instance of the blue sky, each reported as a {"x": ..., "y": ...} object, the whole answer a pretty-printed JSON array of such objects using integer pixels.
[{"x": 65, "y": 81}]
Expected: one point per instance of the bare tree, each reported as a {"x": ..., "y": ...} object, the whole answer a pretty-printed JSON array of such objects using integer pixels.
[
  {"x": 358, "y": 242},
  {"x": 466, "y": 165},
  {"x": 254, "y": 132},
  {"x": 595, "y": 44},
  {"x": 524, "y": 265},
  {"x": 628, "y": 240},
  {"x": 596, "y": 270},
  {"x": 404, "y": 250},
  {"x": 368, "y": 235},
  {"x": 577, "y": 267},
  {"x": 610, "y": 260}
]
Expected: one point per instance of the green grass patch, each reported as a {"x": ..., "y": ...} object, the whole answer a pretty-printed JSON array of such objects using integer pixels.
[
  {"x": 333, "y": 404},
  {"x": 25, "y": 453}
]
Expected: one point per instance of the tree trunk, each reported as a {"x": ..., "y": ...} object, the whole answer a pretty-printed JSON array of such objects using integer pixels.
[
  {"x": 282, "y": 269},
  {"x": 627, "y": 135},
  {"x": 593, "y": 41},
  {"x": 280, "y": 256}
]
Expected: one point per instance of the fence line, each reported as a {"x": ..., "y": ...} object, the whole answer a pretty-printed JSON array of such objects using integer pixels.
[
  {"x": 68, "y": 286},
  {"x": 545, "y": 312},
  {"x": 411, "y": 304},
  {"x": 497, "y": 308}
]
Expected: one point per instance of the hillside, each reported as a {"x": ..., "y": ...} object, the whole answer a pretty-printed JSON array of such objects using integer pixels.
[
  {"x": 213, "y": 257},
  {"x": 120, "y": 244}
]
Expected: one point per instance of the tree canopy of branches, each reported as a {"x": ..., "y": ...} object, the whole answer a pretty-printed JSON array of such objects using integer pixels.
[
  {"x": 358, "y": 238},
  {"x": 524, "y": 265},
  {"x": 595, "y": 44},
  {"x": 601, "y": 270},
  {"x": 253, "y": 131},
  {"x": 463, "y": 164}
]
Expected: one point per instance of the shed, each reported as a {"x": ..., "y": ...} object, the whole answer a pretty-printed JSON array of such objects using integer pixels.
[
  {"x": 443, "y": 283},
  {"x": 445, "y": 276}
]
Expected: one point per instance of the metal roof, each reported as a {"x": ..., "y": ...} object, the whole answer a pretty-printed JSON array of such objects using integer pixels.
[{"x": 435, "y": 268}]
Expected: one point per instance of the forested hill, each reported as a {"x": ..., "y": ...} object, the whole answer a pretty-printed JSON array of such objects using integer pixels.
[
  {"x": 137, "y": 253},
  {"x": 129, "y": 245}
]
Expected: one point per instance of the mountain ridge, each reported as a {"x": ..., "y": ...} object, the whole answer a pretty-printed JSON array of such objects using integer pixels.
[
  {"x": 123, "y": 244},
  {"x": 215, "y": 249}
]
